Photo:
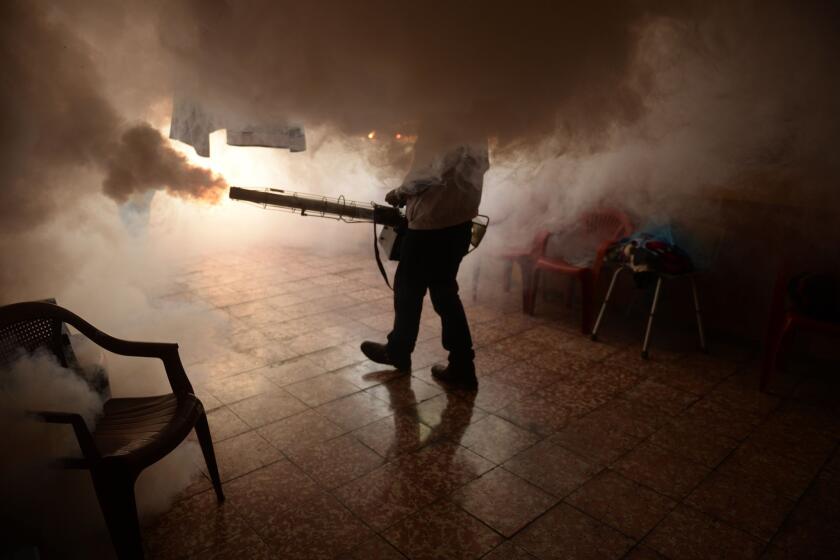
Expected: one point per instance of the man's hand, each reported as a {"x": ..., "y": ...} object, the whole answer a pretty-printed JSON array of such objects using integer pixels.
[{"x": 395, "y": 198}]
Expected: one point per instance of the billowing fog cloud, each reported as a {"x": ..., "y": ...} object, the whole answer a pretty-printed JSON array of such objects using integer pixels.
[
  {"x": 508, "y": 69},
  {"x": 630, "y": 100},
  {"x": 642, "y": 104},
  {"x": 142, "y": 160},
  {"x": 59, "y": 120}
]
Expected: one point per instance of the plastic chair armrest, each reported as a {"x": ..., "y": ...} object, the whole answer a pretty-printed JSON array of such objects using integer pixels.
[
  {"x": 175, "y": 372},
  {"x": 83, "y": 435},
  {"x": 167, "y": 352}
]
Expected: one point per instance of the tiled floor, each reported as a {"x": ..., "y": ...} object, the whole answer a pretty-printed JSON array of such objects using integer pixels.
[{"x": 570, "y": 448}]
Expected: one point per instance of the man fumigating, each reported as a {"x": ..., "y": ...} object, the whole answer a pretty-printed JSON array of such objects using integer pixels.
[{"x": 441, "y": 193}]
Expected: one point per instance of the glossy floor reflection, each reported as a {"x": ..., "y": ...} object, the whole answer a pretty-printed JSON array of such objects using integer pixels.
[{"x": 570, "y": 448}]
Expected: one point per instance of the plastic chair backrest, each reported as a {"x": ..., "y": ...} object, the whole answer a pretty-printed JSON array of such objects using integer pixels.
[
  {"x": 607, "y": 223},
  {"x": 32, "y": 335},
  {"x": 582, "y": 244}
]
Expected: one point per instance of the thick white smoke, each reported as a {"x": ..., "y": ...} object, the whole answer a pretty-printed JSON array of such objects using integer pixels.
[
  {"x": 659, "y": 108},
  {"x": 740, "y": 109},
  {"x": 629, "y": 100},
  {"x": 55, "y": 507}
]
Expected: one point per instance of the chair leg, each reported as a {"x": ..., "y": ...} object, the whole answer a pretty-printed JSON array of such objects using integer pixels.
[
  {"x": 587, "y": 289},
  {"x": 115, "y": 491},
  {"x": 646, "y": 342},
  {"x": 526, "y": 286},
  {"x": 476, "y": 272},
  {"x": 546, "y": 296},
  {"x": 570, "y": 292},
  {"x": 535, "y": 277},
  {"x": 529, "y": 281},
  {"x": 780, "y": 346},
  {"x": 699, "y": 317},
  {"x": 507, "y": 276},
  {"x": 202, "y": 430},
  {"x": 606, "y": 301}
]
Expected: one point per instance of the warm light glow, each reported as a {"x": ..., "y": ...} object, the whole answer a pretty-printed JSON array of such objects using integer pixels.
[
  {"x": 398, "y": 136},
  {"x": 371, "y": 135},
  {"x": 189, "y": 152}
]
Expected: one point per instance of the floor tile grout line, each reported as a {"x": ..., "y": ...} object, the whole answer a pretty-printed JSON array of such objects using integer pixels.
[
  {"x": 286, "y": 456},
  {"x": 681, "y": 501},
  {"x": 678, "y": 502},
  {"x": 648, "y": 437},
  {"x": 804, "y": 493}
]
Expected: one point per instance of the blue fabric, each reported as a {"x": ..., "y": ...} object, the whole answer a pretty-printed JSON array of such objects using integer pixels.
[
  {"x": 651, "y": 252},
  {"x": 658, "y": 230},
  {"x": 702, "y": 254}
]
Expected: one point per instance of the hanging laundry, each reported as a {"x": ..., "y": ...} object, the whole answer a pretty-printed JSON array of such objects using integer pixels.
[{"x": 193, "y": 123}]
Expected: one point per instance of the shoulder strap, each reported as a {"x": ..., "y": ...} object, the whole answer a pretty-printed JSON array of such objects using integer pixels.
[{"x": 378, "y": 257}]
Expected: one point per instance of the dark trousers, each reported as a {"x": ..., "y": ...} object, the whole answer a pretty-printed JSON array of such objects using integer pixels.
[{"x": 429, "y": 259}]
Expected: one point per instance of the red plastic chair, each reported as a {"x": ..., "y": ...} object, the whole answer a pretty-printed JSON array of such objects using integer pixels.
[
  {"x": 783, "y": 324},
  {"x": 609, "y": 226},
  {"x": 526, "y": 259}
]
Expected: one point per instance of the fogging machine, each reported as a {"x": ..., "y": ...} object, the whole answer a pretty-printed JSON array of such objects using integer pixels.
[{"x": 391, "y": 219}]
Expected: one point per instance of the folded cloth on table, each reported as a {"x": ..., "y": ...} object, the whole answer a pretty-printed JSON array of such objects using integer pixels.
[{"x": 649, "y": 256}]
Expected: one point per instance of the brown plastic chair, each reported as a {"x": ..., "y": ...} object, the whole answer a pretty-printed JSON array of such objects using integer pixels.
[
  {"x": 132, "y": 434},
  {"x": 608, "y": 226}
]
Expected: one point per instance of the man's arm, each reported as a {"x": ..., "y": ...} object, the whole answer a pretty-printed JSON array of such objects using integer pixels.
[
  {"x": 411, "y": 187},
  {"x": 461, "y": 166},
  {"x": 399, "y": 196}
]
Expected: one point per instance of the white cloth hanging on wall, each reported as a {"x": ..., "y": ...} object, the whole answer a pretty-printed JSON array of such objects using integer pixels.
[{"x": 192, "y": 124}]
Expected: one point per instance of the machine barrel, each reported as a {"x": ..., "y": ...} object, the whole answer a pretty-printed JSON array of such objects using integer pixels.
[{"x": 320, "y": 206}]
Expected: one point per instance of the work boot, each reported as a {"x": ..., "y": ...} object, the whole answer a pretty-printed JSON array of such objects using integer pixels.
[
  {"x": 461, "y": 376},
  {"x": 378, "y": 353}
]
